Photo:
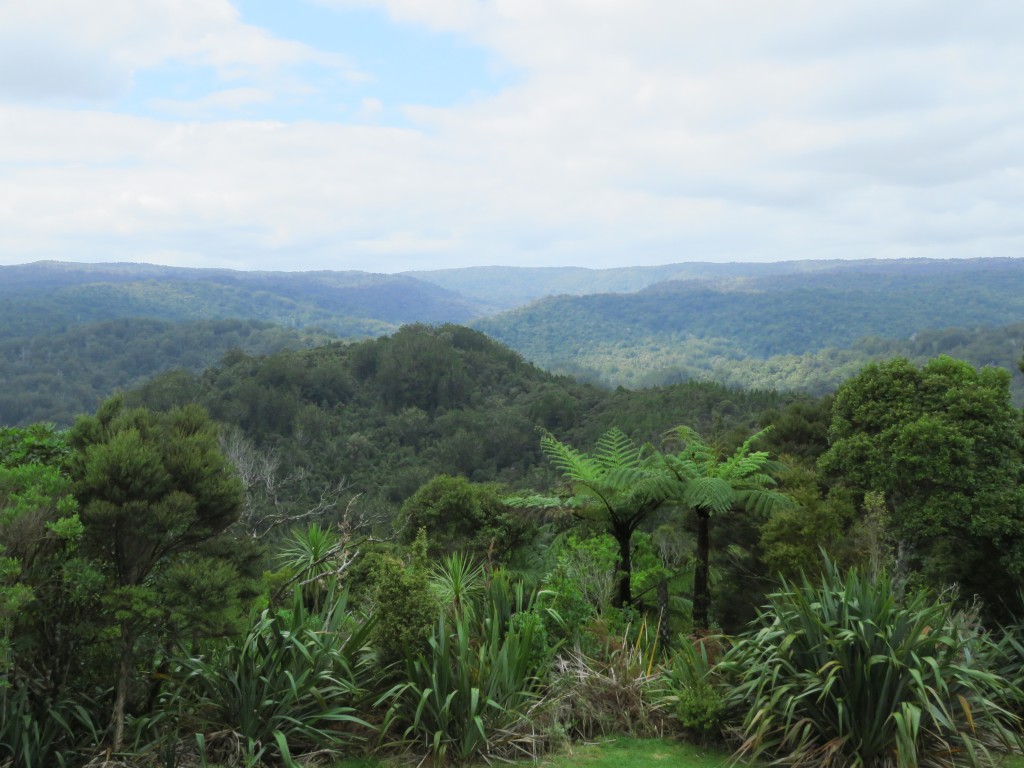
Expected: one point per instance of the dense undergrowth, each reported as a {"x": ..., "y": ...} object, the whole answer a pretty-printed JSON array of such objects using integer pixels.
[{"x": 841, "y": 670}]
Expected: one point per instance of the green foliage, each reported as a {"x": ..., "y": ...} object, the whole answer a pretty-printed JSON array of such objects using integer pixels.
[
  {"x": 458, "y": 514},
  {"x": 155, "y": 494},
  {"x": 711, "y": 486},
  {"x": 617, "y": 487},
  {"x": 298, "y": 681},
  {"x": 120, "y": 354},
  {"x": 38, "y": 733},
  {"x": 768, "y": 331},
  {"x": 311, "y": 557},
  {"x": 475, "y": 691},
  {"x": 793, "y": 537},
  {"x": 582, "y": 585},
  {"x": 944, "y": 445},
  {"x": 690, "y": 685},
  {"x": 404, "y": 603},
  {"x": 845, "y": 673}
]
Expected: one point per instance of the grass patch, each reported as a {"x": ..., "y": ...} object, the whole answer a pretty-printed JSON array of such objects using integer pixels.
[
  {"x": 639, "y": 753},
  {"x": 616, "y": 753}
]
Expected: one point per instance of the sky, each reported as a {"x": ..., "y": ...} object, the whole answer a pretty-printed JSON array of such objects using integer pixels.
[{"x": 393, "y": 135}]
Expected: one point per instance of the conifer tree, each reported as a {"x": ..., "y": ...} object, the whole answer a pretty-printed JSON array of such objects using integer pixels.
[{"x": 156, "y": 498}]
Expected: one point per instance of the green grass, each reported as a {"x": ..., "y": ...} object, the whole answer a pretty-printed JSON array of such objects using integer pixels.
[
  {"x": 640, "y": 753},
  {"x": 617, "y": 753},
  {"x": 627, "y": 753}
]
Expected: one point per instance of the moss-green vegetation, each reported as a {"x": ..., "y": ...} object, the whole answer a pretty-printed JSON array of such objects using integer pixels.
[{"x": 173, "y": 591}]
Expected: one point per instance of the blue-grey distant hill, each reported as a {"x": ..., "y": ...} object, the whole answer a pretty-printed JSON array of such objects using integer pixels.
[{"x": 70, "y": 333}]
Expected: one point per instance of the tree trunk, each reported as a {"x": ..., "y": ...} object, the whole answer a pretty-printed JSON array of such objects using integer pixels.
[
  {"x": 124, "y": 671},
  {"x": 663, "y": 616},
  {"x": 701, "y": 586},
  {"x": 624, "y": 568}
]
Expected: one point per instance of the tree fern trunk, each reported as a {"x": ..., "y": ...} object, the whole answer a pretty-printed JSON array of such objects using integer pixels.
[
  {"x": 624, "y": 568},
  {"x": 701, "y": 585}
]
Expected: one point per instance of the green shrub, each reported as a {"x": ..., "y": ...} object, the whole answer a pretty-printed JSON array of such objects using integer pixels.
[
  {"x": 693, "y": 691},
  {"x": 405, "y": 604},
  {"x": 475, "y": 692},
  {"x": 844, "y": 674},
  {"x": 38, "y": 733},
  {"x": 296, "y": 682}
]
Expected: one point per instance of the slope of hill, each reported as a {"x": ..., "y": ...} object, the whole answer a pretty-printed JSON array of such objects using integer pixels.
[
  {"x": 695, "y": 326},
  {"x": 51, "y": 295},
  {"x": 508, "y": 287},
  {"x": 62, "y": 374},
  {"x": 388, "y": 414}
]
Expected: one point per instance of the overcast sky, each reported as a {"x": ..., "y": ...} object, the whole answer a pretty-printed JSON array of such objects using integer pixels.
[{"x": 387, "y": 135}]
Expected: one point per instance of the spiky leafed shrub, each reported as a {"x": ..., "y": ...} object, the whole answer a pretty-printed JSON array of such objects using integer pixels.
[
  {"x": 1005, "y": 657},
  {"x": 39, "y": 733},
  {"x": 843, "y": 673},
  {"x": 297, "y": 682},
  {"x": 612, "y": 692},
  {"x": 693, "y": 690},
  {"x": 475, "y": 691}
]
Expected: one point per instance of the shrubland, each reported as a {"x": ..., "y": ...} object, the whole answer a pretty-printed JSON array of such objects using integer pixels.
[{"x": 422, "y": 546}]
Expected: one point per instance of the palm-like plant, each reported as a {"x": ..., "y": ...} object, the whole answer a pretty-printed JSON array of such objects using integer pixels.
[
  {"x": 313, "y": 556},
  {"x": 843, "y": 674},
  {"x": 711, "y": 486},
  {"x": 618, "y": 486},
  {"x": 457, "y": 581}
]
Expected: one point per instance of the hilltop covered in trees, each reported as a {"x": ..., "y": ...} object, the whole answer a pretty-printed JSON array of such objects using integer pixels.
[{"x": 422, "y": 542}]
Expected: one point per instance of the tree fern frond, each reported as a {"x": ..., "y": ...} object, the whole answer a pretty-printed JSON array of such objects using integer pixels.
[
  {"x": 574, "y": 465},
  {"x": 533, "y": 501},
  {"x": 762, "y": 501},
  {"x": 615, "y": 450},
  {"x": 712, "y": 493}
]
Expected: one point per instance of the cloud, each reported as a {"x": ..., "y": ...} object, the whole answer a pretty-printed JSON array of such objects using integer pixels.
[
  {"x": 231, "y": 99},
  {"x": 70, "y": 49},
  {"x": 639, "y": 131}
]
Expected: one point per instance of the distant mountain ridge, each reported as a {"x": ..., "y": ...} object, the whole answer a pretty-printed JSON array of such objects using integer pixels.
[
  {"x": 793, "y": 325},
  {"x": 357, "y": 304}
]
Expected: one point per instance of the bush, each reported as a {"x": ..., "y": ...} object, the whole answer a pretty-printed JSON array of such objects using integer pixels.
[
  {"x": 843, "y": 673},
  {"x": 476, "y": 690},
  {"x": 405, "y": 604},
  {"x": 296, "y": 682},
  {"x": 611, "y": 693},
  {"x": 691, "y": 687},
  {"x": 39, "y": 733}
]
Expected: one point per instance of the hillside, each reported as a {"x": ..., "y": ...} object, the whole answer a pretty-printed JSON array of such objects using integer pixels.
[
  {"x": 388, "y": 414},
  {"x": 56, "y": 376},
  {"x": 701, "y": 328},
  {"x": 789, "y": 326},
  {"x": 54, "y": 296},
  {"x": 508, "y": 287}
]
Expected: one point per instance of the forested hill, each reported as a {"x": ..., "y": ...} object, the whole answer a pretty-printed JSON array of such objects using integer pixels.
[
  {"x": 56, "y": 376},
  {"x": 49, "y": 296},
  {"x": 509, "y": 287},
  {"x": 390, "y": 413},
  {"x": 793, "y": 325},
  {"x": 686, "y": 328}
]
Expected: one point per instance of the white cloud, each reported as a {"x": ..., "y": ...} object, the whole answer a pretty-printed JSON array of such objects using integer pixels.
[
  {"x": 638, "y": 131},
  {"x": 71, "y": 49}
]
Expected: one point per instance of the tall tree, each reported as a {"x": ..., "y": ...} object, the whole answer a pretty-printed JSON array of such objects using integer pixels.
[
  {"x": 943, "y": 444},
  {"x": 156, "y": 495},
  {"x": 617, "y": 487},
  {"x": 711, "y": 486}
]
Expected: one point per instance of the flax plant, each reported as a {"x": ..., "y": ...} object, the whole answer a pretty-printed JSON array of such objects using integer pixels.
[
  {"x": 296, "y": 683},
  {"x": 843, "y": 673},
  {"x": 475, "y": 692}
]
